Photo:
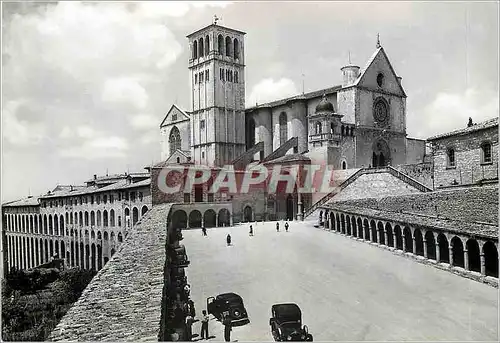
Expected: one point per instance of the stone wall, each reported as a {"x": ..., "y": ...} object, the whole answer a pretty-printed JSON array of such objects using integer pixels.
[
  {"x": 471, "y": 204},
  {"x": 123, "y": 301},
  {"x": 422, "y": 172}
]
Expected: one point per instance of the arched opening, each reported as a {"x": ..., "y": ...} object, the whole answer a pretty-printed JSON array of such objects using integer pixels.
[
  {"x": 419, "y": 242},
  {"x": 99, "y": 257},
  {"x": 120, "y": 237},
  {"x": 201, "y": 48},
  {"x": 223, "y": 217},
  {"x": 72, "y": 254},
  {"x": 381, "y": 236},
  {"x": 289, "y": 207},
  {"x": 105, "y": 218},
  {"x": 390, "y": 236},
  {"x": 207, "y": 45},
  {"x": 195, "y": 219},
  {"x": 112, "y": 217},
  {"x": 247, "y": 214},
  {"x": 86, "y": 218},
  {"x": 92, "y": 234},
  {"x": 458, "y": 252},
  {"x": 490, "y": 259},
  {"x": 229, "y": 49},
  {"x": 344, "y": 165},
  {"x": 82, "y": 255},
  {"x": 408, "y": 239},
  {"x": 113, "y": 251},
  {"x": 332, "y": 222},
  {"x": 318, "y": 128},
  {"x": 144, "y": 210},
  {"x": 56, "y": 249},
  {"x": 51, "y": 228},
  {"x": 431, "y": 245},
  {"x": 342, "y": 223},
  {"x": 45, "y": 225},
  {"x": 373, "y": 228},
  {"x": 135, "y": 215},
  {"x": 348, "y": 225},
  {"x": 209, "y": 218},
  {"x": 361, "y": 233},
  {"x": 250, "y": 133},
  {"x": 236, "y": 46},
  {"x": 179, "y": 219},
  {"x": 220, "y": 44},
  {"x": 353, "y": 227},
  {"x": 174, "y": 140},
  {"x": 320, "y": 218},
  {"x": 283, "y": 122},
  {"x": 56, "y": 225},
  {"x": 51, "y": 250},
  {"x": 80, "y": 215},
  {"x": 195, "y": 49},
  {"x": 93, "y": 249},
  {"x": 366, "y": 229},
  {"x": 381, "y": 154},
  {"x": 473, "y": 254},
  {"x": 92, "y": 218}
]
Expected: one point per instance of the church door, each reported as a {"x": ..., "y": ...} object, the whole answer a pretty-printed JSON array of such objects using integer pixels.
[
  {"x": 198, "y": 193},
  {"x": 289, "y": 207}
]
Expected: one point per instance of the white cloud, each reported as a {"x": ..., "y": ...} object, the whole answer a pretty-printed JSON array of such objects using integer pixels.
[
  {"x": 20, "y": 132},
  {"x": 143, "y": 122},
  {"x": 85, "y": 132},
  {"x": 269, "y": 90},
  {"x": 125, "y": 90},
  {"x": 66, "y": 133},
  {"x": 451, "y": 111},
  {"x": 98, "y": 148}
]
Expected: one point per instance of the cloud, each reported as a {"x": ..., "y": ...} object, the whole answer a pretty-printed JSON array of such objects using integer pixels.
[
  {"x": 451, "y": 111},
  {"x": 97, "y": 148},
  {"x": 143, "y": 121},
  {"x": 268, "y": 90},
  {"x": 17, "y": 131},
  {"x": 125, "y": 91}
]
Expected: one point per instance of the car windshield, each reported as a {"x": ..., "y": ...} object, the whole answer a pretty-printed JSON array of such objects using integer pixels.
[{"x": 290, "y": 326}]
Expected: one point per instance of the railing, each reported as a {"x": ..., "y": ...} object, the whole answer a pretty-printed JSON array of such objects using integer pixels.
[
  {"x": 281, "y": 151},
  {"x": 412, "y": 182},
  {"x": 330, "y": 195},
  {"x": 324, "y": 136}
]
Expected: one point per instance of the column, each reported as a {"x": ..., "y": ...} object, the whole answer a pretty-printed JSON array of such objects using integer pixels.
[
  {"x": 202, "y": 221},
  {"x": 28, "y": 252},
  {"x": 450, "y": 253},
  {"x": 385, "y": 237},
  {"x": 425, "y": 247},
  {"x": 231, "y": 219},
  {"x": 216, "y": 220},
  {"x": 483, "y": 264},
  {"x": 438, "y": 252},
  {"x": 394, "y": 242},
  {"x": 300, "y": 215},
  {"x": 466, "y": 259},
  {"x": 414, "y": 245},
  {"x": 371, "y": 232},
  {"x": 404, "y": 240},
  {"x": 23, "y": 252}
]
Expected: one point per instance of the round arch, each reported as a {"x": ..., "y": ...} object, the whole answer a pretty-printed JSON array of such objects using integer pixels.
[
  {"x": 473, "y": 255},
  {"x": 390, "y": 235},
  {"x": 419, "y": 242},
  {"x": 457, "y": 248},
  {"x": 135, "y": 215},
  {"x": 373, "y": 230},
  {"x": 348, "y": 225},
  {"x": 179, "y": 219},
  {"x": 361, "y": 232},
  {"x": 408, "y": 239},
  {"x": 247, "y": 214},
  {"x": 490, "y": 259},
  {"x": 209, "y": 218},
  {"x": 195, "y": 219},
  {"x": 443, "y": 248},
  {"x": 224, "y": 217},
  {"x": 144, "y": 209},
  {"x": 431, "y": 245},
  {"x": 380, "y": 231}
]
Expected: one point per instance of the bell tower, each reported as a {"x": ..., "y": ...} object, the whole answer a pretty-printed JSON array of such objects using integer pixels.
[{"x": 217, "y": 79}]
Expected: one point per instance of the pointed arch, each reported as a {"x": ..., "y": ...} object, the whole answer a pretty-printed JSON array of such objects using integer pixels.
[
  {"x": 195, "y": 49},
  {"x": 174, "y": 140},
  {"x": 283, "y": 122},
  {"x": 207, "y": 45},
  {"x": 229, "y": 48},
  {"x": 236, "y": 48},
  {"x": 201, "y": 48},
  {"x": 220, "y": 44}
]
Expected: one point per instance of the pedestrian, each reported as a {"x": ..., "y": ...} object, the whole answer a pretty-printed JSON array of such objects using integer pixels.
[
  {"x": 204, "y": 325},
  {"x": 277, "y": 227},
  {"x": 192, "y": 311},
  {"x": 204, "y": 231},
  {"x": 189, "y": 327},
  {"x": 286, "y": 226},
  {"x": 227, "y": 330},
  {"x": 251, "y": 230},
  {"x": 228, "y": 239}
]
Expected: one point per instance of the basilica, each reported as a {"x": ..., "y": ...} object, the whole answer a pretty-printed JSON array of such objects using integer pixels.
[{"x": 360, "y": 123}]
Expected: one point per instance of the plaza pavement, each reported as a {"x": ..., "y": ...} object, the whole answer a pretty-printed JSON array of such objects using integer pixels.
[{"x": 347, "y": 290}]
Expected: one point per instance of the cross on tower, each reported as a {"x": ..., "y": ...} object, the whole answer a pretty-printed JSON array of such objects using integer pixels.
[
  {"x": 378, "y": 41},
  {"x": 216, "y": 19}
]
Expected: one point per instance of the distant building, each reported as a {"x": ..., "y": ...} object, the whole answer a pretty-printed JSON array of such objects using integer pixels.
[{"x": 466, "y": 156}]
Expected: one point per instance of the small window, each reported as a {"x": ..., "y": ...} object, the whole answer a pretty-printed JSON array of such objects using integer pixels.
[
  {"x": 105, "y": 199},
  {"x": 236, "y": 77},
  {"x": 486, "y": 153},
  {"x": 210, "y": 197},
  {"x": 178, "y": 160},
  {"x": 451, "y": 157},
  {"x": 195, "y": 78},
  {"x": 119, "y": 196},
  {"x": 318, "y": 128},
  {"x": 380, "y": 79},
  {"x": 140, "y": 196},
  {"x": 207, "y": 74},
  {"x": 187, "y": 197},
  {"x": 174, "y": 116},
  {"x": 111, "y": 198},
  {"x": 98, "y": 199},
  {"x": 344, "y": 165},
  {"x": 203, "y": 154},
  {"x": 202, "y": 124},
  {"x": 201, "y": 77}
]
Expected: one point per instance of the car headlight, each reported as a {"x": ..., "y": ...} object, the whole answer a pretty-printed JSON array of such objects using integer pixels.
[
  {"x": 289, "y": 338},
  {"x": 302, "y": 337}
]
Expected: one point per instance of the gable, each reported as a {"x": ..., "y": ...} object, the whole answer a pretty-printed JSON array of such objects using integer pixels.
[
  {"x": 172, "y": 159},
  {"x": 174, "y": 115},
  {"x": 379, "y": 63}
]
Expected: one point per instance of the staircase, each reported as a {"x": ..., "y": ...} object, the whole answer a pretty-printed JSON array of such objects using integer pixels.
[
  {"x": 394, "y": 172},
  {"x": 244, "y": 159},
  {"x": 281, "y": 151}
]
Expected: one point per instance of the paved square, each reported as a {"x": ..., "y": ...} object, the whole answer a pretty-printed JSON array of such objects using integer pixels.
[{"x": 347, "y": 290}]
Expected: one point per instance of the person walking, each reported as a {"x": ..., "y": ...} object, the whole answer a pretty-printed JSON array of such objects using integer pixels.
[
  {"x": 189, "y": 327},
  {"x": 286, "y": 226},
  {"x": 251, "y": 230},
  {"x": 204, "y": 325},
  {"x": 204, "y": 231},
  {"x": 228, "y": 239},
  {"x": 227, "y": 330},
  {"x": 277, "y": 227}
]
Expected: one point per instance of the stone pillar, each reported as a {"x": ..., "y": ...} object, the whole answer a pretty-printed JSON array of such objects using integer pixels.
[
  {"x": 466, "y": 259},
  {"x": 394, "y": 241},
  {"x": 216, "y": 220},
  {"x": 483, "y": 264},
  {"x": 438, "y": 252},
  {"x": 202, "y": 221},
  {"x": 425, "y": 248},
  {"x": 231, "y": 219},
  {"x": 371, "y": 233},
  {"x": 450, "y": 253},
  {"x": 404, "y": 241},
  {"x": 385, "y": 237},
  {"x": 300, "y": 215}
]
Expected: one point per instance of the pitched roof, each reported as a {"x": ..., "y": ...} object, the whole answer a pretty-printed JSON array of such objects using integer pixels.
[
  {"x": 476, "y": 127},
  {"x": 306, "y": 96},
  {"x": 186, "y": 114},
  {"x": 29, "y": 201},
  {"x": 289, "y": 158}
]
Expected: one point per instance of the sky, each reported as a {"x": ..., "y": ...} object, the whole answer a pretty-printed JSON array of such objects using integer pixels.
[{"x": 86, "y": 85}]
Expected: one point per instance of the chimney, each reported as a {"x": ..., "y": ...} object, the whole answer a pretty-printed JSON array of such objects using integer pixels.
[
  {"x": 95, "y": 176},
  {"x": 71, "y": 188}
]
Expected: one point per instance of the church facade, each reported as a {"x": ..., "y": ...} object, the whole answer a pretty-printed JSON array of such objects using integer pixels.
[{"x": 360, "y": 123}]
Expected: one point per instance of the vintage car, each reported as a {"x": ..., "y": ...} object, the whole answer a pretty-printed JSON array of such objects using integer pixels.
[
  {"x": 178, "y": 257},
  {"x": 286, "y": 323},
  {"x": 228, "y": 308}
]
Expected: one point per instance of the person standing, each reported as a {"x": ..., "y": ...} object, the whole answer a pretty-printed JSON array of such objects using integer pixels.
[
  {"x": 204, "y": 325},
  {"x": 277, "y": 227},
  {"x": 286, "y": 226},
  {"x": 189, "y": 327},
  {"x": 251, "y": 230},
  {"x": 204, "y": 231},
  {"x": 227, "y": 330},
  {"x": 228, "y": 239}
]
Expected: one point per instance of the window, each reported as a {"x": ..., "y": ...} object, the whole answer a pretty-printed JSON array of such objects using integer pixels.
[
  {"x": 451, "y": 157},
  {"x": 105, "y": 198},
  {"x": 187, "y": 197},
  {"x": 203, "y": 154},
  {"x": 174, "y": 140},
  {"x": 318, "y": 128},
  {"x": 195, "y": 78},
  {"x": 201, "y": 77},
  {"x": 132, "y": 196},
  {"x": 380, "y": 79},
  {"x": 111, "y": 198},
  {"x": 210, "y": 197},
  {"x": 236, "y": 48},
  {"x": 98, "y": 199},
  {"x": 344, "y": 165},
  {"x": 120, "y": 196},
  {"x": 236, "y": 77},
  {"x": 486, "y": 153},
  {"x": 119, "y": 220},
  {"x": 140, "y": 196},
  {"x": 207, "y": 74},
  {"x": 222, "y": 74},
  {"x": 174, "y": 116},
  {"x": 195, "y": 50},
  {"x": 202, "y": 124},
  {"x": 283, "y": 128},
  {"x": 178, "y": 160}
]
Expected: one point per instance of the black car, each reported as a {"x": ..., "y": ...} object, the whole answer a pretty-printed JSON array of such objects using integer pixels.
[
  {"x": 286, "y": 323},
  {"x": 228, "y": 307}
]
